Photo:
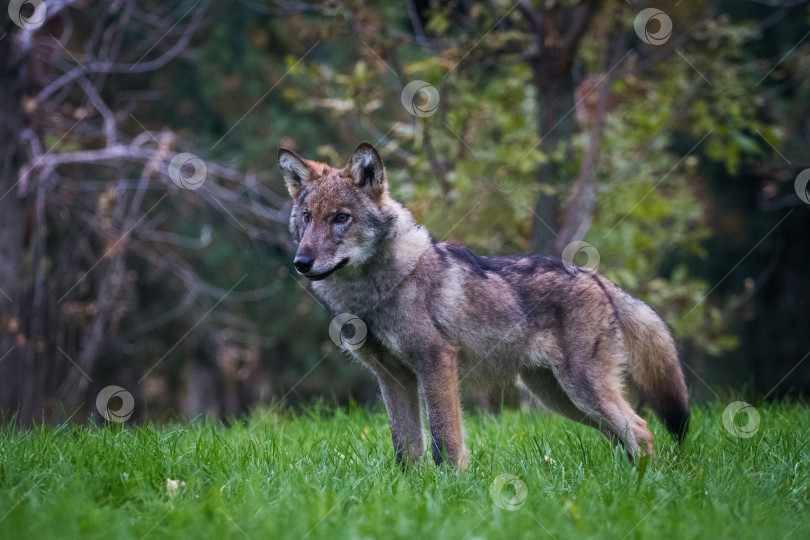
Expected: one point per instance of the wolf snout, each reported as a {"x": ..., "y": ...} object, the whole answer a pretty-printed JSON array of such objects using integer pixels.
[{"x": 303, "y": 263}]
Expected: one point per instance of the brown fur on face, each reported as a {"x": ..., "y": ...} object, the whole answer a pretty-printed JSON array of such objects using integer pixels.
[
  {"x": 322, "y": 194},
  {"x": 439, "y": 316}
]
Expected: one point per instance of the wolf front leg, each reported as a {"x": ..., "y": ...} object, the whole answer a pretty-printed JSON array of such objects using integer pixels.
[
  {"x": 400, "y": 393},
  {"x": 438, "y": 379}
]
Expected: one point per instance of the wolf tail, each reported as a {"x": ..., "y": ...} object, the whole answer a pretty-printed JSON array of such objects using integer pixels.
[{"x": 653, "y": 362}]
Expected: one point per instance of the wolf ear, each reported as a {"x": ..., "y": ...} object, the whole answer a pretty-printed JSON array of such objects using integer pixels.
[
  {"x": 366, "y": 168},
  {"x": 295, "y": 170}
]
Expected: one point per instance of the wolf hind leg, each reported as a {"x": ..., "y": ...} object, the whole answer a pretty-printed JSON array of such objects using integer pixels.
[
  {"x": 544, "y": 386},
  {"x": 595, "y": 387}
]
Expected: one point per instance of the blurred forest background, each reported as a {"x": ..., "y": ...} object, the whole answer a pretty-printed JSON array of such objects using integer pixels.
[{"x": 675, "y": 152}]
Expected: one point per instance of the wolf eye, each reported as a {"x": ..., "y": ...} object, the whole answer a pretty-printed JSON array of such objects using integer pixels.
[
  {"x": 307, "y": 217},
  {"x": 342, "y": 218}
]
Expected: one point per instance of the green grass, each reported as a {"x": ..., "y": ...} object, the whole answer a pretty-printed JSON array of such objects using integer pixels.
[{"x": 330, "y": 474}]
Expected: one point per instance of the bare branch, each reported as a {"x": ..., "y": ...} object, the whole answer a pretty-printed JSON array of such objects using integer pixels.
[
  {"x": 583, "y": 14},
  {"x": 579, "y": 212},
  {"x": 137, "y": 67},
  {"x": 110, "y": 125}
]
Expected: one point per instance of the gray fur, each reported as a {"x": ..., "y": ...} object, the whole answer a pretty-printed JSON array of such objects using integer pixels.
[{"x": 439, "y": 316}]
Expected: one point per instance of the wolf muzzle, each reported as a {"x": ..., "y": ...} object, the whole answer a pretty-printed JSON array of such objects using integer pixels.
[{"x": 304, "y": 265}]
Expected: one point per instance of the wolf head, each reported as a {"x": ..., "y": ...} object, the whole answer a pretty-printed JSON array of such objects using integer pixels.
[{"x": 339, "y": 216}]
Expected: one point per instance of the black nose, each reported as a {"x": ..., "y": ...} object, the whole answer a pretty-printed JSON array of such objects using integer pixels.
[{"x": 303, "y": 263}]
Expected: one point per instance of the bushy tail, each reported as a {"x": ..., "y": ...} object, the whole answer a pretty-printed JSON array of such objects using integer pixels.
[{"x": 653, "y": 362}]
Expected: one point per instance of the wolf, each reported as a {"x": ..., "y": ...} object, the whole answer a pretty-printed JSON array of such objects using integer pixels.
[{"x": 437, "y": 316}]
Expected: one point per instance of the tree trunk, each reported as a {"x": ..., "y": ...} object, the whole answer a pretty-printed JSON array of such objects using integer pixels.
[
  {"x": 558, "y": 34},
  {"x": 13, "y": 372},
  {"x": 555, "y": 102}
]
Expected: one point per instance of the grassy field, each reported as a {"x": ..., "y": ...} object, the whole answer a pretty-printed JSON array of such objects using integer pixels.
[{"x": 330, "y": 474}]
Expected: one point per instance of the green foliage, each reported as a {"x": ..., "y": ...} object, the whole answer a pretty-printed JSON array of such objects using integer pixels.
[
  {"x": 470, "y": 174},
  {"x": 686, "y": 126},
  {"x": 321, "y": 473}
]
